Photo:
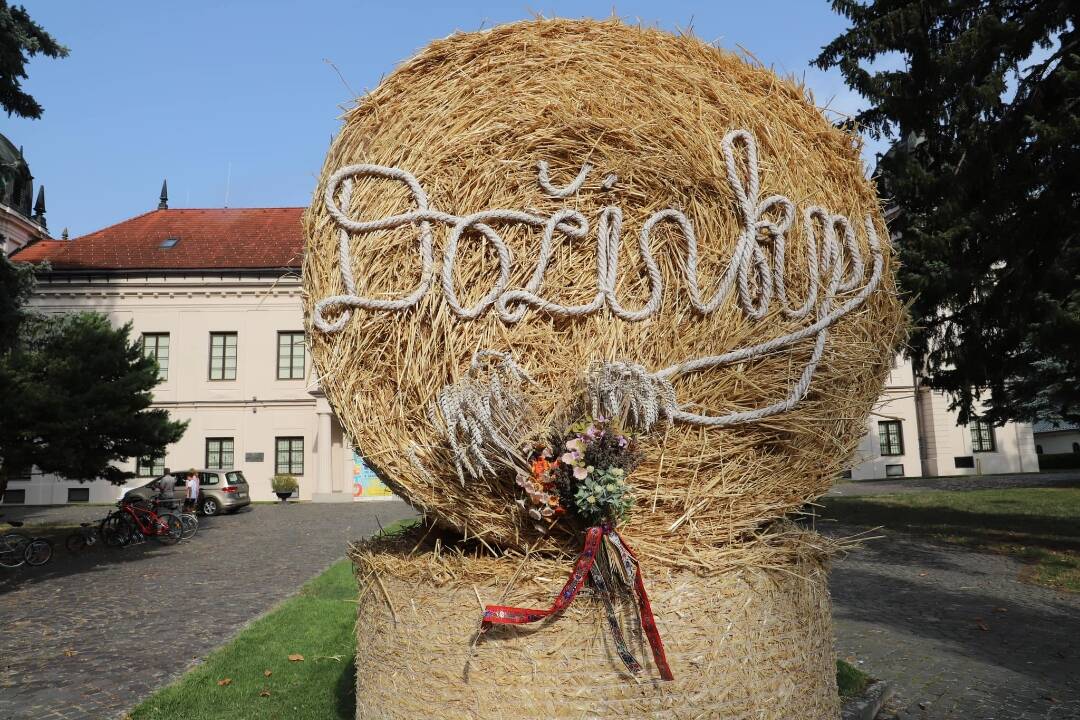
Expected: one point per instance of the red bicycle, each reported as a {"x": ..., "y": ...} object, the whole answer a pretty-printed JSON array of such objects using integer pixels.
[{"x": 136, "y": 520}]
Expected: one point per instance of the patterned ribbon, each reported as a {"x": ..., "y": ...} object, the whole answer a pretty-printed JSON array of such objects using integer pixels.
[{"x": 584, "y": 568}]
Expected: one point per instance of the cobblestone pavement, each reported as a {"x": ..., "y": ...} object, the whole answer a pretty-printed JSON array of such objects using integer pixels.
[
  {"x": 1069, "y": 478},
  {"x": 956, "y": 631},
  {"x": 82, "y": 636}
]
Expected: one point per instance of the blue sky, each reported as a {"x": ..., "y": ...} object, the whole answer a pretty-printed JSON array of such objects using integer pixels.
[{"x": 238, "y": 96}]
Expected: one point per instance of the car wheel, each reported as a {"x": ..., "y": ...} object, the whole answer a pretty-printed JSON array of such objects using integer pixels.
[{"x": 210, "y": 506}]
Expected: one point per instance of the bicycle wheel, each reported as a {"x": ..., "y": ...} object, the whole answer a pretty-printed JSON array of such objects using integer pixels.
[
  {"x": 168, "y": 529},
  {"x": 191, "y": 526},
  {"x": 38, "y": 552},
  {"x": 13, "y": 549},
  {"x": 116, "y": 530},
  {"x": 76, "y": 542}
]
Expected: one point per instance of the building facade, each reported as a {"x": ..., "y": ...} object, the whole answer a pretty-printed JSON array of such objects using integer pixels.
[
  {"x": 215, "y": 297},
  {"x": 21, "y": 222},
  {"x": 1057, "y": 438},
  {"x": 912, "y": 433}
]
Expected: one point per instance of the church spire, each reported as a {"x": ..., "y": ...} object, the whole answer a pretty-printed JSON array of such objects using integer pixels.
[
  {"x": 163, "y": 203},
  {"x": 39, "y": 207}
]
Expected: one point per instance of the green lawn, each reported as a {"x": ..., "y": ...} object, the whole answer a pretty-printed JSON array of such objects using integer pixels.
[
  {"x": 850, "y": 680},
  {"x": 317, "y": 625},
  {"x": 1039, "y": 525}
]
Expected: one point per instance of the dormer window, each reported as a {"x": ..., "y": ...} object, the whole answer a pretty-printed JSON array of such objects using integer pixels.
[{"x": 169, "y": 242}]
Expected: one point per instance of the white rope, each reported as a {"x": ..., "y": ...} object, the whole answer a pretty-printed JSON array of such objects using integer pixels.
[
  {"x": 748, "y": 277},
  {"x": 566, "y": 190}
]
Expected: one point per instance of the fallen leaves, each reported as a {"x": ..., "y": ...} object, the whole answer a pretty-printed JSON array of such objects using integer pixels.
[
  {"x": 982, "y": 625},
  {"x": 296, "y": 657},
  {"x": 264, "y": 693},
  {"x": 224, "y": 681},
  {"x": 267, "y": 673},
  {"x": 70, "y": 653}
]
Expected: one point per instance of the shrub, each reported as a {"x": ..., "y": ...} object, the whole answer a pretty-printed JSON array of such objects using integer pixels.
[
  {"x": 284, "y": 483},
  {"x": 1059, "y": 461}
]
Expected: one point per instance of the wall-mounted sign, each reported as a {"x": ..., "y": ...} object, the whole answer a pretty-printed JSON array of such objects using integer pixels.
[{"x": 253, "y": 457}]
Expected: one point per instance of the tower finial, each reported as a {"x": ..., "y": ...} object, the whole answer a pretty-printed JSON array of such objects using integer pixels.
[
  {"x": 39, "y": 207},
  {"x": 64, "y": 235},
  {"x": 164, "y": 200}
]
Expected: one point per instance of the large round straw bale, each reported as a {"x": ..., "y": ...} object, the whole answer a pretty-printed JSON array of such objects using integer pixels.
[
  {"x": 470, "y": 117},
  {"x": 753, "y": 641}
]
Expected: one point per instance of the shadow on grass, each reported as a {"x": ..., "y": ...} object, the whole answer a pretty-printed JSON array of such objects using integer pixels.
[
  {"x": 966, "y": 526},
  {"x": 345, "y": 692}
]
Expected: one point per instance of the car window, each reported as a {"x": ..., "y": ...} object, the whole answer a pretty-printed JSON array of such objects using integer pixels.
[
  {"x": 208, "y": 478},
  {"x": 180, "y": 482},
  {"x": 235, "y": 478}
]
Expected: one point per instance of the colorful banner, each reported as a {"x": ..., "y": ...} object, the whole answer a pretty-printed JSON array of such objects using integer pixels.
[{"x": 366, "y": 484}]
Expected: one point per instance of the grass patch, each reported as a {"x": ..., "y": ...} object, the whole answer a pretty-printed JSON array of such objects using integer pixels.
[
  {"x": 1038, "y": 525},
  {"x": 850, "y": 680},
  {"x": 316, "y": 624}
]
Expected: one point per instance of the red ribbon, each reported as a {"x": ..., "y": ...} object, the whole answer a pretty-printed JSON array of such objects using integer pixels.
[{"x": 508, "y": 615}]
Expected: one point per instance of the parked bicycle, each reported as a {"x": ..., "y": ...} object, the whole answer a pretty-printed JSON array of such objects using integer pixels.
[
  {"x": 135, "y": 521},
  {"x": 16, "y": 548},
  {"x": 191, "y": 525},
  {"x": 86, "y": 536}
]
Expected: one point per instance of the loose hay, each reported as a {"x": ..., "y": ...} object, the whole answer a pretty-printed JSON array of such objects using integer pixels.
[
  {"x": 470, "y": 117},
  {"x": 753, "y": 641}
]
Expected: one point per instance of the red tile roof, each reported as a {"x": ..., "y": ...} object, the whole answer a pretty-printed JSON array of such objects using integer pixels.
[{"x": 206, "y": 239}]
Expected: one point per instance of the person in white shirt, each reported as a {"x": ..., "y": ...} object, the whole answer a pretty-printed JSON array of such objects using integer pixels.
[{"x": 192, "y": 484}]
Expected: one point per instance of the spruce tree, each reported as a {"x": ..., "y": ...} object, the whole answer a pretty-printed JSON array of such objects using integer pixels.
[{"x": 981, "y": 100}]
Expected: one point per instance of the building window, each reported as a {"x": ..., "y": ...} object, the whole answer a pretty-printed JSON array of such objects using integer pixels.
[
  {"x": 219, "y": 453},
  {"x": 1038, "y": 449},
  {"x": 150, "y": 466},
  {"x": 290, "y": 356},
  {"x": 14, "y": 497},
  {"x": 964, "y": 461},
  {"x": 223, "y": 356},
  {"x": 1076, "y": 447},
  {"x": 156, "y": 345},
  {"x": 891, "y": 437},
  {"x": 289, "y": 455},
  {"x": 78, "y": 495},
  {"x": 982, "y": 436},
  {"x": 894, "y": 471}
]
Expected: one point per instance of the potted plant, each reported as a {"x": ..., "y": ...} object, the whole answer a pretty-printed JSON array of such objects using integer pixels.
[{"x": 284, "y": 486}]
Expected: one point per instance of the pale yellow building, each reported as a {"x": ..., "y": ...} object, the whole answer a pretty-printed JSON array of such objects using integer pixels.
[
  {"x": 912, "y": 433},
  {"x": 214, "y": 295}
]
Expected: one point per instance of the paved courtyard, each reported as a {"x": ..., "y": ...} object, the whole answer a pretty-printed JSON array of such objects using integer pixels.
[
  {"x": 957, "y": 632},
  {"x": 90, "y": 636}
]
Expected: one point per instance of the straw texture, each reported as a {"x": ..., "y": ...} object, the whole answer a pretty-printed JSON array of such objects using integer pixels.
[
  {"x": 753, "y": 641},
  {"x": 471, "y": 116}
]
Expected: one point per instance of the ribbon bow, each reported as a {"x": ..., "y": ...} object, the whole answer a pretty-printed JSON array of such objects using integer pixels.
[{"x": 610, "y": 564}]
